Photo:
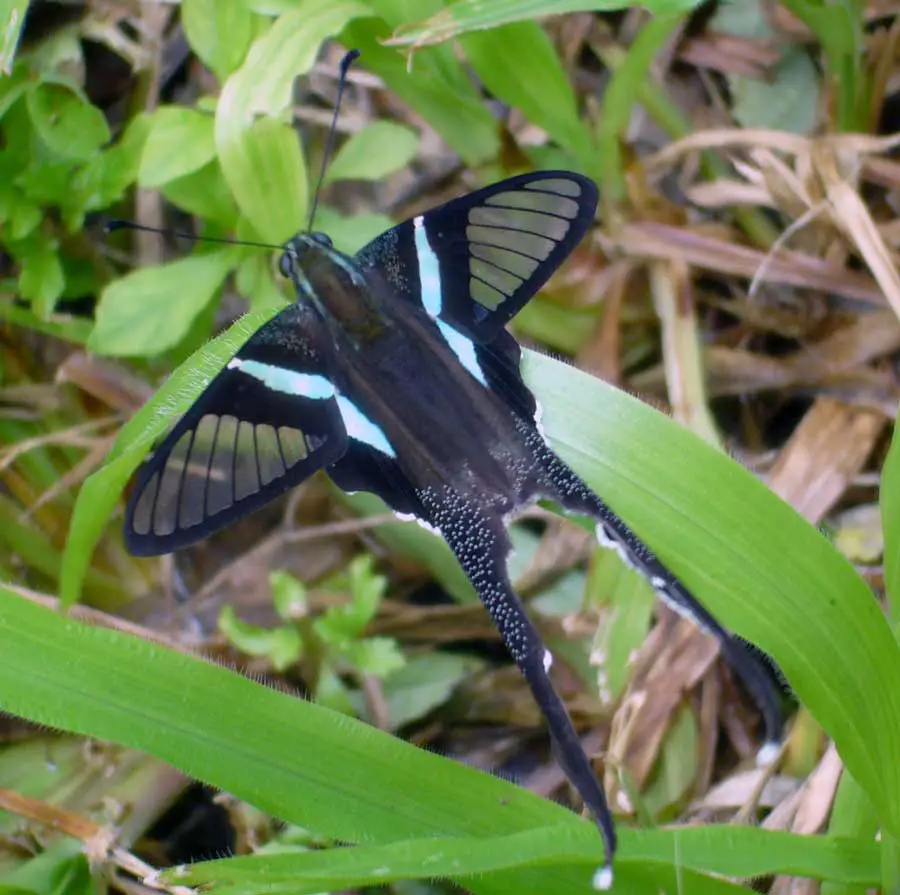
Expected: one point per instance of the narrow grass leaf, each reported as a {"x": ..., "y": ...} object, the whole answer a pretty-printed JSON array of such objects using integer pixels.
[
  {"x": 519, "y": 64},
  {"x": 476, "y": 15},
  {"x": 344, "y": 779},
  {"x": 180, "y": 142},
  {"x": 758, "y": 566},
  {"x": 151, "y": 309}
]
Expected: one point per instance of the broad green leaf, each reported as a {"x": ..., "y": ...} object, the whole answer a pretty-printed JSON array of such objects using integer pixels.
[
  {"x": 350, "y": 234},
  {"x": 204, "y": 193},
  {"x": 348, "y": 781},
  {"x": 180, "y": 142},
  {"x": 149, "y": 311},
  {"x": 107, "y": 174},
  {"x": 788, "y": 97},
  {"x": 424, "y": 683},
  {"x": 519, "y": 64},
  {"x": 219, "y": 31},
  {"x": 255, "y": 281},
  {"x": 261, "y": 159},
  {"x": 477, "y": 15},
  {"x": 41, "y": 280},
  {"x": 24, "y": 217},
  {"x": 65, "y": 121},
  {"x": 376, "y": 151},
  {"x": 100, "y": 492},
  {"x": 749, "y": 557},
  {"x": 266, "y": 172}
]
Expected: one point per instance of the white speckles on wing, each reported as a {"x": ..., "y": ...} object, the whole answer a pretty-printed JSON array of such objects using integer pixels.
[{"x": 548, "y": 660}]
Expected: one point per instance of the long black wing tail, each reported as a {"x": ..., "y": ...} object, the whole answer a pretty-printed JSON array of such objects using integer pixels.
[
  {"x": 758, "y": 677},
  {"x": 478, "y": 538}
]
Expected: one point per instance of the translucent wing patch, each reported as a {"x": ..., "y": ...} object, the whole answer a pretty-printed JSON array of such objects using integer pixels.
[
  {"x": 477, "y": 260},
  {"x": 246, "y": 439}
]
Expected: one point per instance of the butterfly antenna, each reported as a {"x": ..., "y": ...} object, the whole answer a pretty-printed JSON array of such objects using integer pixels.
[
  {"x": 112, "y": 226},
  {"x": 346, "y": 62}
]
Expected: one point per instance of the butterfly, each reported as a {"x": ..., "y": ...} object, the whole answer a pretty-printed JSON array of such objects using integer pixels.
[{"x": 395, "y": 374}]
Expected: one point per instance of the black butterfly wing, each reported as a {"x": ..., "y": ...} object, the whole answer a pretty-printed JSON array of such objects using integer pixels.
[
  {"x": 265, "y": 423},
  {"x": 475, "y": 261}
]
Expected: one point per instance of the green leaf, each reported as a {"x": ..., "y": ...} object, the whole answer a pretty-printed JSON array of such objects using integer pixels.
[
  {"x": 149, "y": 311},
  {"x": 749, "y": 557},
  {"x": 204, "y": 193},
  {"x": 14, "y": 85},
  {"x": 266, "y": 173},
  {"x": 255, "y": 282},
  {"x": 66, "y": 122},
  {"x": 219, "y": 31},
  {"x": 180, "y": 142},
  {"x": 261, "y": 159},
  {"x": 424, "y": 683},
  {"x": 676, "y": 767},
  {"x": 11, "y": 23},
  {"x": 367, "y": 588},
  {"x": 41, "y": 279},
  {"x": 376, "y": 656},
  {"x": 24, "y": 217},
  {"x": 106, "y": 176},
  {"x": 282, "y": 646},
  {"x": 629, "y": 601},
  {"x": 348, "y": 781},
  {"x": 100, "y": 491},
  {"x": 288, "y": 595},
  {"x": 889, "y": 498},
  {"x": 476, "y": 15},
  {"x": 350, "y": 234},
  {"x": 541, "y": 88},
  {"x": 376, "y": 151},
  {"x": 461, "y": 118}
]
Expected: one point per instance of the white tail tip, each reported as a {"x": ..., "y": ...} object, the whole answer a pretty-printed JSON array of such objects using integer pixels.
[
  {"x": 603, "y": 878},
  {"x": 767, "y": 754}
]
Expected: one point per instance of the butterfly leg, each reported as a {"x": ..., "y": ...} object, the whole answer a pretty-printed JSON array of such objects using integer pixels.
[
  {"x": 757, "y": 676},
  {"x": 477, "y": 536}
]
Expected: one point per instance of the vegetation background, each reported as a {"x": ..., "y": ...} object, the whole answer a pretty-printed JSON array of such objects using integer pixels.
[{"x": 742, "y": 277}]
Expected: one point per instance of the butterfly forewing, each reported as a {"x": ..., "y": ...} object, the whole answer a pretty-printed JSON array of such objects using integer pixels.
[
  {"x": 477, "y": 260},
  {"x": 265, "y": 423}
]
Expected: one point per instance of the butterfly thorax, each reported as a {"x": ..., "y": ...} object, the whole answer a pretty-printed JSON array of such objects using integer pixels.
[{"x": 338, "y": 290}]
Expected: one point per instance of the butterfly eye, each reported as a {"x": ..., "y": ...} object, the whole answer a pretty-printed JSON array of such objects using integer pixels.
[
  {"x": 286, "y": 265},
  {"x": 322, "y": 238}
]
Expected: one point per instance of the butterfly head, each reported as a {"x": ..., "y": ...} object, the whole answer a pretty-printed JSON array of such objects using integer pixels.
[
  {"x": 331, "y": 281},
  {"x": 299, "y": 249}
]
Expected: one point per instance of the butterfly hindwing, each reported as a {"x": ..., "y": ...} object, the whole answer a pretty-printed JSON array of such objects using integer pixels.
[
  {"x": 264, "y": 424},
  {"x": 475, "y": 261}
]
